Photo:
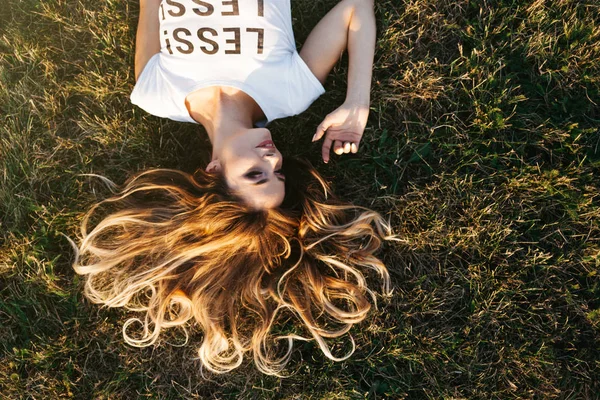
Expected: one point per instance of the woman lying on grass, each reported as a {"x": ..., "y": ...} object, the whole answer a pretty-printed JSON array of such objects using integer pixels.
[{"x": 251, "y": 235}]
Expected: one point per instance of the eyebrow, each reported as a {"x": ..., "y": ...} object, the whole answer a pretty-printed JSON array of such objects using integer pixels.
[{"x": 263, "y": 181}]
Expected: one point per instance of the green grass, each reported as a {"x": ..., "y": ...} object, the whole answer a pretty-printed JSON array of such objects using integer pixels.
[{"x": 483, "y": 148}]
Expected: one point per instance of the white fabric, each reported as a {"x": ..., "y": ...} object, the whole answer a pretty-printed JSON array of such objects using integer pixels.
[{"x": 275, "y": 76}]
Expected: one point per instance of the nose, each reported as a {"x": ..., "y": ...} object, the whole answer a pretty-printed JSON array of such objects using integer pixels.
[{"x": 273, "y": 157}]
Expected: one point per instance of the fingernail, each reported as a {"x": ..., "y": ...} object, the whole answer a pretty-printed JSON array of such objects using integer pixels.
[{"x": 314, "y": 137}]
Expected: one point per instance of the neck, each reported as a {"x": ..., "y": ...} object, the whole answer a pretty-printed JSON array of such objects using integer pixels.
[{"x": 223, "y": 112}]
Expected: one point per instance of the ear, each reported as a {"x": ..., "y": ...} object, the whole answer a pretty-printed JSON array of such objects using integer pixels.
[{"x": 213, "y": 167}]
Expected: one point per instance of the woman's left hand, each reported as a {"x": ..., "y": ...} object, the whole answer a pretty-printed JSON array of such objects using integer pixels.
[{"x": 343, "y": 128}]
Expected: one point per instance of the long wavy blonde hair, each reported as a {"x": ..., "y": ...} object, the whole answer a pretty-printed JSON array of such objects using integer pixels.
[{"x": 181, "y": 248}]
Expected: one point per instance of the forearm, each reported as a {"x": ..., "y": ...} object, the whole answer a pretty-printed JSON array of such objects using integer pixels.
[
  {"x": 349, "y": 25},
  {"x": 361, "y": 51}
]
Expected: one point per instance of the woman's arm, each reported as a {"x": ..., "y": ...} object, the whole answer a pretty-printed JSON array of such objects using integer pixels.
[
  {"x": 350, "y": 24},
  {"x": 147, "y": 41}
]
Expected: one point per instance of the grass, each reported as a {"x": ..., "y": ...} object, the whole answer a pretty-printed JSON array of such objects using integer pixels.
[{"x": 483, "y": 148}]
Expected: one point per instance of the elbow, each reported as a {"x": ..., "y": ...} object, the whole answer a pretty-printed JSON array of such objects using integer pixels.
[
  {"x": 364, "y": 6},
  {"x": 363, "y": 3}
]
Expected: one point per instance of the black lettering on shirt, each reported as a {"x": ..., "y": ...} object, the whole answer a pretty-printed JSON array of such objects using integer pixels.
[
  {"x": 215, "y": 45},
  {"x": 260, "y": 42},
  {"x": 168, "y": 42},
  {"x": 180, "y": 6},
  {"x": 209, "y": 8},
  {"x": 236, "y": 41},
  {"x": 261, "y": 8},
  {"x": 235, "y": 8},
  {"x": 190, "y": 46}
]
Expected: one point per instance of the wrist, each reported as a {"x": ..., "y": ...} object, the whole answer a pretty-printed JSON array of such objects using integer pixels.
[{"x": 358, "y": 102}]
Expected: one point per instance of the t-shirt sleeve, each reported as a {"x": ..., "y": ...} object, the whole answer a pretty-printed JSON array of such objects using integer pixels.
[
  {"x": 304, "y": 87},
  {"x": 157, "y": 93}
]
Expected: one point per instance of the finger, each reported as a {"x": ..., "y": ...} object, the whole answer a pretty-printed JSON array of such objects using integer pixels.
[
  {"x": 321, "y": 129},
  {"x": 326, "y": 148},
  {"x": 354, "y": 148},
  {"x": 347, "y": 147},
  {"x": 338, "y": 147}
]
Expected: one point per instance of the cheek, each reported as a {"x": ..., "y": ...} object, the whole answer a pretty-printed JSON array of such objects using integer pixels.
[
  {"x": 235, "y": 164},
  {"x": 237, "y": 159},
  {"x": 236, "y": 152}
]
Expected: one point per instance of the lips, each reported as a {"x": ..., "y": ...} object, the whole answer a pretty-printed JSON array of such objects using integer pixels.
[{"x": 267, "y": 144}]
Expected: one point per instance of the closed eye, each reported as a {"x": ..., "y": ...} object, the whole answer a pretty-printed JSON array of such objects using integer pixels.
[
  {"x": 253, "y": 174},
  {"x": 280, "y": 173}
]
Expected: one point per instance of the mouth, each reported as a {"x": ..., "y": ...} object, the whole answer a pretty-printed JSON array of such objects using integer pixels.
[{"x": 267, "y": 144}]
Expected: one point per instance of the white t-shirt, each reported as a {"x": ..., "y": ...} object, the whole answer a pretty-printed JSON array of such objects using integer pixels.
[{"x": 246, "y": 44}]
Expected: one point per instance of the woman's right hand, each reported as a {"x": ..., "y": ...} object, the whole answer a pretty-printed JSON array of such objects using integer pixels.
[{"x": 343, "y": 129}]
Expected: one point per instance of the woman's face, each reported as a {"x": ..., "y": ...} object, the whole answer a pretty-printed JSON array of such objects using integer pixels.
[{"x": 251, "y": 165}]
